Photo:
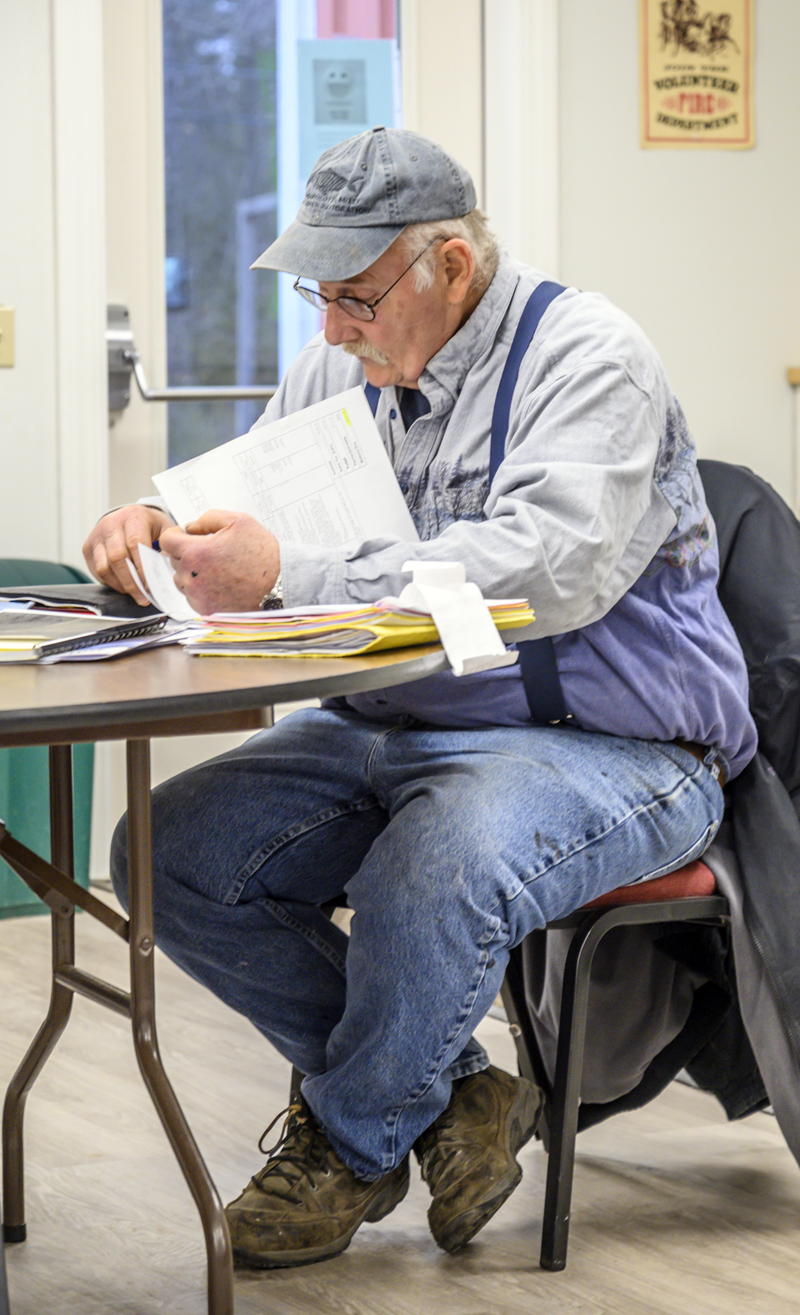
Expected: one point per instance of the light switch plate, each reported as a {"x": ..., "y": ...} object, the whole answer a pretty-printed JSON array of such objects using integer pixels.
[{"x": 6, "y": 335}]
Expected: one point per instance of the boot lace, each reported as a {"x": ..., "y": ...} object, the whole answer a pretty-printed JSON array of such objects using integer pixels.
[{"x": 300, "y": 1152}]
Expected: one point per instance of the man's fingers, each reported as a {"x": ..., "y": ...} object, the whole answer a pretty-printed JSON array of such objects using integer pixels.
[
  {"x": 125, "y": 583},
  {"x": 115, "y": 540},
  {"x": 173, "y": 542},
  {"x": 227, "y": 562},
  {"x": 105, "y": 571},
  {"x": 210, "y": 522},
  {"x": 92, "y": 558},
  {"x": 111, "y": 567}
]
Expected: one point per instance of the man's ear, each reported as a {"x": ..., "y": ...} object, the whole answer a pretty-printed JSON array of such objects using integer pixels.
[{"x": 458, "y": 264}]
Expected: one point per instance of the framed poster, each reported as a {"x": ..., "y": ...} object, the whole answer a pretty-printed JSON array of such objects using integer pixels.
[{"x": 696, "y": 74}]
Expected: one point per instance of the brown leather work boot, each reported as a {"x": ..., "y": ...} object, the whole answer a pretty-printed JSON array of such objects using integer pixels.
[
  {"x": 467, "y": 1156},
  {"x": 305, "y": 1204}
]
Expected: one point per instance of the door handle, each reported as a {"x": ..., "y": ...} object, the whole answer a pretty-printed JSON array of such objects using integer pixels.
[{"x": 124, "y": 361}]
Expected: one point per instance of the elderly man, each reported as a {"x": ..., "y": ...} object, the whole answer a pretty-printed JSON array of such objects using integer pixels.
[{"x": 536, "y": 439}]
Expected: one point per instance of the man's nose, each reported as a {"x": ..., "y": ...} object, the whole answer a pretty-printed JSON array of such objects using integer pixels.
[{"x": 339, "y": 326}]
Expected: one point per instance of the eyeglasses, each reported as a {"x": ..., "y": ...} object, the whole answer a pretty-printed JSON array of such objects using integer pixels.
[{"x": 360, "y": 310}]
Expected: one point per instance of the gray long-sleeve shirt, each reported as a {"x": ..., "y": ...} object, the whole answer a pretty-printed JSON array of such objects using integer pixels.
[{"x": 597, "y": 515}]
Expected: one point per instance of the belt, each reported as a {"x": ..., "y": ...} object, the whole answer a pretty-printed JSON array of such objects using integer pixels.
[{"x": 699, "y": 751}]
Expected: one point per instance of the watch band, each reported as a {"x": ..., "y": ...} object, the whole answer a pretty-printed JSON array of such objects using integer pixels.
[{"x": 272, "y": 601}]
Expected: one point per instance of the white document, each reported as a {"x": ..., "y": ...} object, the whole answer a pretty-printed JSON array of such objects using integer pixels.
[
  {"x": 159, "y": 585},
  {"x": 320, "y": 477}
]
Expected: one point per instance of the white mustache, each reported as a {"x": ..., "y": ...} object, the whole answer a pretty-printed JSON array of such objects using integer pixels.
[{"x": 365, "y": 349}]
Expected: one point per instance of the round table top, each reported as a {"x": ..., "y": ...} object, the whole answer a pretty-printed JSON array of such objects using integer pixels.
[{"x": 153, "y": 692}]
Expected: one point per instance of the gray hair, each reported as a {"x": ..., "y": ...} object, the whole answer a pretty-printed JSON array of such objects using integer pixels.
[{"x": 472, "y": 227}]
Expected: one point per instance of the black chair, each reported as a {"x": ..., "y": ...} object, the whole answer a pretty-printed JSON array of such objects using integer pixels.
[
  {"x": 687, "y": 896},
  {"x": 759, "y": 542}
]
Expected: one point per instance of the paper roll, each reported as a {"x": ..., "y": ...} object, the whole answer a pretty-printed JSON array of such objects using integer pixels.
[{"x": 469, "y": 636}]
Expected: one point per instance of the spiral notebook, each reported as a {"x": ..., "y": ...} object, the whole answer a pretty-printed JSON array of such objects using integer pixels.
[{"x": 30, "y": 636}]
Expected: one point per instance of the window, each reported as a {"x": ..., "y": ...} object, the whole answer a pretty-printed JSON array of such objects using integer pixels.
[
  {"x": 221, "y": 180},
  {"x": 222, "y": 188}
]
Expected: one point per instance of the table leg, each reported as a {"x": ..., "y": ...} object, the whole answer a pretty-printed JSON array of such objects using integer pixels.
[
  {"x": 63, "y": 954},
  {"x": 140, "y": 885}
]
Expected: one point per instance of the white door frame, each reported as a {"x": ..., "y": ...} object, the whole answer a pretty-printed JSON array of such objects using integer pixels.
[
  {"x": 80, "y": 276},
  {"x": 135, "y": 229}
]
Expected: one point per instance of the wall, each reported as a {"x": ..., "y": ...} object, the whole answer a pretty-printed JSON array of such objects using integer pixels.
[
  {"x": 53, "y": 402},
  {"x": 701, "y": 247},
  {"x": 29, "y": 525},
  {"x": 442, "y": 73}
]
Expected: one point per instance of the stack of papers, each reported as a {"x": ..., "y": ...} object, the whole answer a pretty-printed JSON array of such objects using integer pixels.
[{"x": 333, "y": 631}]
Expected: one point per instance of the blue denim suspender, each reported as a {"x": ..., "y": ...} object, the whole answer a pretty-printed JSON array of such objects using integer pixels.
[{"x": 537, "y": 657}]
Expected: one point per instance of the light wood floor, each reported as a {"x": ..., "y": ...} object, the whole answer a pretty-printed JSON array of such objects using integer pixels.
[{"x": 675, "y": 1210}]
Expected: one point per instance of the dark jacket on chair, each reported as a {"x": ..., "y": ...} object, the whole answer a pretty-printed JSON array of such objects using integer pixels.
[{"x": 725, "y": 1007}]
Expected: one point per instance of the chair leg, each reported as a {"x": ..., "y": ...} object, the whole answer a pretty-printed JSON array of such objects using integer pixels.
[
  {"x": 531, "y": 1064},
  {"x": 294, "y": 1085},
  {"x": 4, "y": 1307},
  {"x": 566, "y": 1093}
]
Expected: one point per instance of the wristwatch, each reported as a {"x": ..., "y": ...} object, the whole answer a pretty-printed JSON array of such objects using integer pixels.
[{"x": 274, "y": 599}]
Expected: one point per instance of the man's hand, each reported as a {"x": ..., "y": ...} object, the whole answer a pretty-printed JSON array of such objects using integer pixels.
[
  {"x": 115, "y": 538},
  {"x": 224, "y": 562}
]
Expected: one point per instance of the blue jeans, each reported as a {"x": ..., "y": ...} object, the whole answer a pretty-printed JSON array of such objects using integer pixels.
[{"x": 451, "y": 845}]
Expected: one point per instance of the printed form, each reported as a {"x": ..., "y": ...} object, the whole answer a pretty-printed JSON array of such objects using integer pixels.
[{"x": 320, "y": 477}]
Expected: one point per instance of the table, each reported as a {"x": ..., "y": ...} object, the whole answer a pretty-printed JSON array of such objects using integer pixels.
[{"x": 159, "y": 692}]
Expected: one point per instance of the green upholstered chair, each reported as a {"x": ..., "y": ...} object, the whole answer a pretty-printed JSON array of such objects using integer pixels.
[{"x": 24, "y": 773}]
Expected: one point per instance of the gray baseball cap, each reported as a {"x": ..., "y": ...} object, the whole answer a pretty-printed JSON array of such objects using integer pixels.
[{"x": 360, "y": 196}]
